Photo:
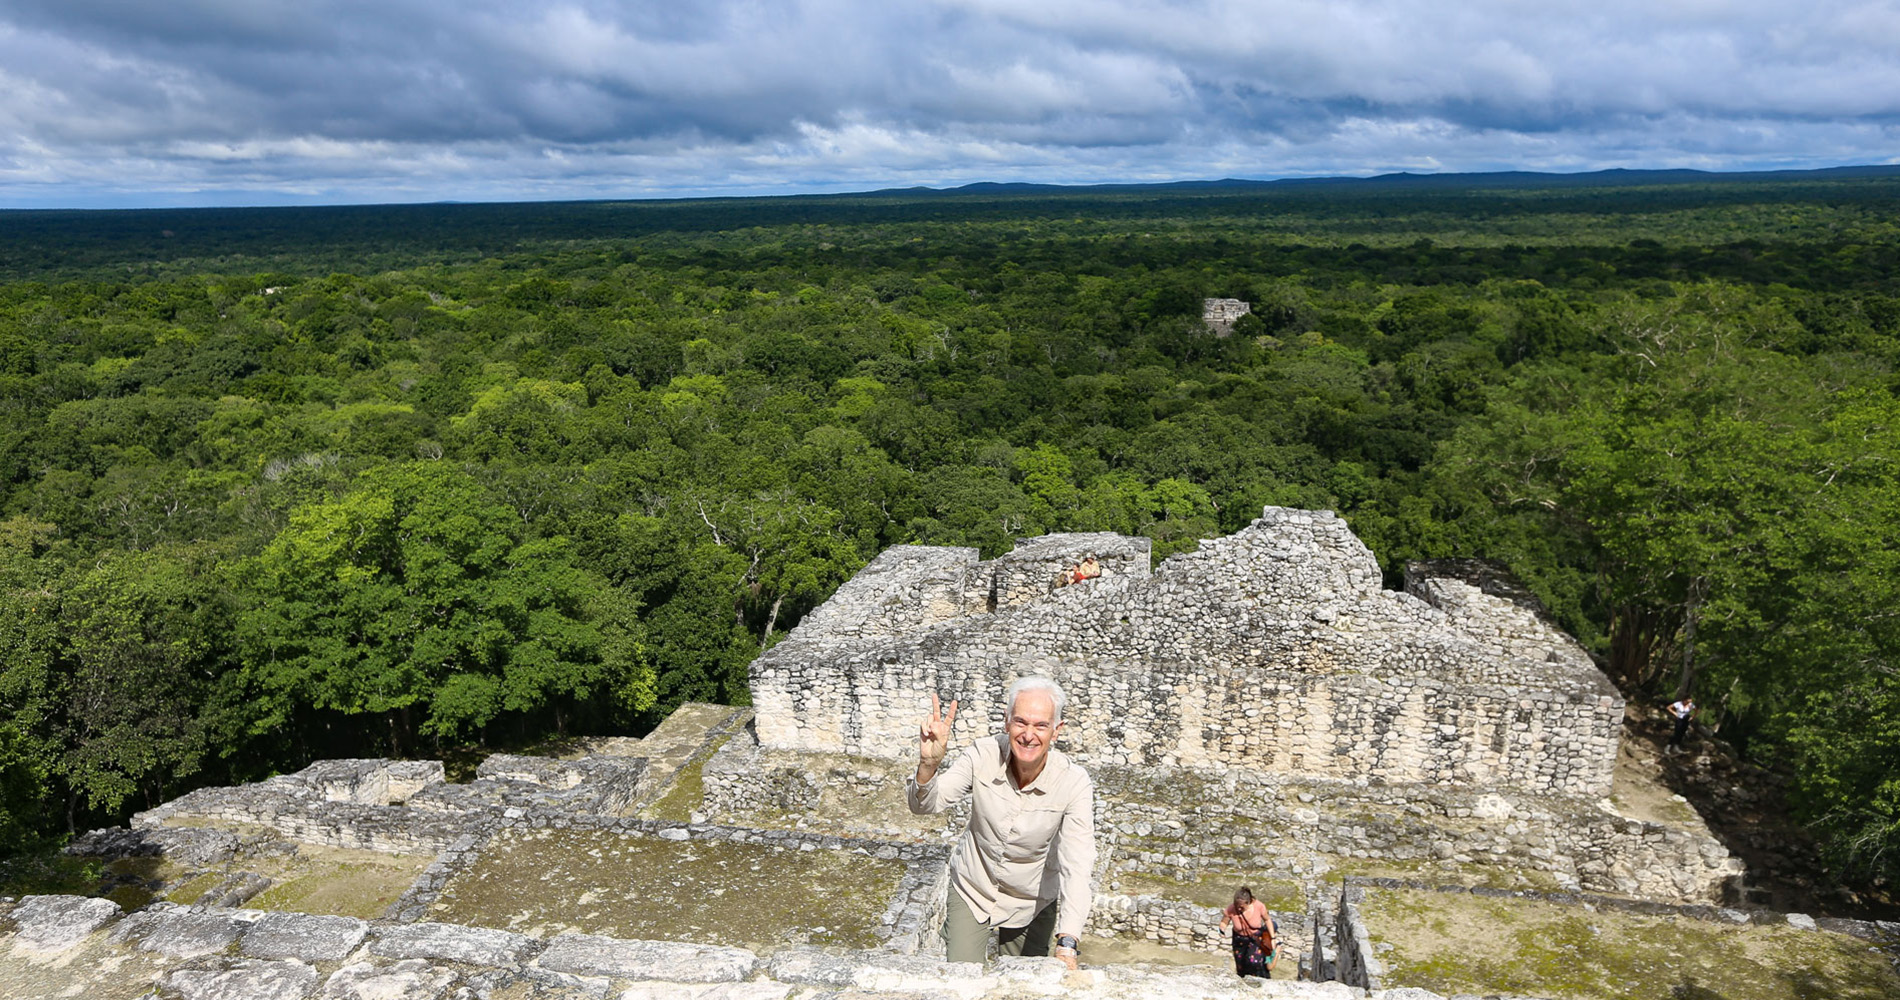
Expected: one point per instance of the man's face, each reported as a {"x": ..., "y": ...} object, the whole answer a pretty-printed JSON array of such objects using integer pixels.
[{"x": 1032, "y": 727}]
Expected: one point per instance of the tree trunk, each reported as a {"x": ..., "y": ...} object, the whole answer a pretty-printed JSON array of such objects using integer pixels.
[
  {"x": 1640, "y": 638},
  {"x": 771, "y": 620},
  {"x": 1685, "y": 684}
]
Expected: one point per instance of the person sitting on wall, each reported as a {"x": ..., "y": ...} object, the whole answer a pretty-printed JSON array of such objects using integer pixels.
[
  {"x": 1254, "y": 934},
  {"x": 1088, "y": 569},
  {"x": 1023, "y": 864}
]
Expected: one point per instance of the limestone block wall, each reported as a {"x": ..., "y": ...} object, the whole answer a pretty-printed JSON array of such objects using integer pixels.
[
  {"x": 405, "y": 806},
  {"x": 338, "y": 803},
  {"x": 1274, "y": 649},
  {"x": 1164, "y": 921},
  {"x": 1177, "y": 924},
  {"x": 1028, "y": 572},
  {"x": 1190, "y": 822},
  {"x": 1356, "y": 963},
  {"x": 906, "y": 587},
  {"x": 1220, "y": 314},
  {"x": 1185, "y": 823}
]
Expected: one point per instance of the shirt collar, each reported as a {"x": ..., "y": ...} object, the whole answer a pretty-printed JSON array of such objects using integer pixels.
[{"x": 1057, "y": 763}]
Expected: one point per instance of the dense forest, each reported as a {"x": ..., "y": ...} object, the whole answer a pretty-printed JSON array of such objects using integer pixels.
[{"x": 282, "y": 484}]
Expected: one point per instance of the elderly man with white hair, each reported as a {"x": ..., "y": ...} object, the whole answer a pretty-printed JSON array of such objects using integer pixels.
[{"x": 1022, "y": 868}]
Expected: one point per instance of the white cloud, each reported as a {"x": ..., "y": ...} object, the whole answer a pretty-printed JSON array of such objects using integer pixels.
[{"x": 382, "y": 99}]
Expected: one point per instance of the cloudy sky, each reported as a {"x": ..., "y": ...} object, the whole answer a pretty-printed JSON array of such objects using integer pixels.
[{"x": 221, "y": 102}]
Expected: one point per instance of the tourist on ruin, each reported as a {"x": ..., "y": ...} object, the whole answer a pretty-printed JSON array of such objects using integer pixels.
[
  {"x": 1022, "y": 867},
  {"x": 1684, "y": 711},
  {"x": 1088, "y": 569},
  {"x": 1254, "y": 934}
]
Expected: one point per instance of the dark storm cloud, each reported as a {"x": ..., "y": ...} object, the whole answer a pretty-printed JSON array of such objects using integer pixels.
[{"x": 346, "y": 99}]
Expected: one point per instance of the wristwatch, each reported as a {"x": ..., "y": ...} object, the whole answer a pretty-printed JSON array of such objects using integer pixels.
[{"x": 1067, "y": 941}]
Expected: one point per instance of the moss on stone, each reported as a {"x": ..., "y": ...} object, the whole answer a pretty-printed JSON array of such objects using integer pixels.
[
  {"x": 687, "y": 791},
  {"x": 340, "y": 888},
  {"x": 1454, "y": 943},
  {"x": 189, "y": 891},
  {"x": 543, "y": 882}
]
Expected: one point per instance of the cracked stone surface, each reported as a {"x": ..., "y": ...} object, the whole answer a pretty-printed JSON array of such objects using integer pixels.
[
  {"x": 412, "y": 979},
  {"x": 454, "y": 943},
  {"x": 245, "y": 980},
  {"x": 56, "y": 923},
  {"x": 589, "y": 955},
  {"x": 179, "y": 933},
  {"x": 304, "y": 936}
]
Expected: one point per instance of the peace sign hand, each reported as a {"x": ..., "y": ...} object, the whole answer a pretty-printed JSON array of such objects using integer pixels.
[{"x": 933, "y": 738}]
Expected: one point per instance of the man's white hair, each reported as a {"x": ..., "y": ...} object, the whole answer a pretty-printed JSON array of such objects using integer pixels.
[{"x": 1044, "y": 684}]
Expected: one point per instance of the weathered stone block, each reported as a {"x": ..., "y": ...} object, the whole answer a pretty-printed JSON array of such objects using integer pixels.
[
  {"x": 245, "y": 980},
  {"x": 305, "y": 936},
  {"x": 412, "y": 979},
  {"x": 188, "y": 933},
  {"x": 590, "y": 955},
  {"x": 453, "y": 943},
  {"x": 56, "y": 923}
]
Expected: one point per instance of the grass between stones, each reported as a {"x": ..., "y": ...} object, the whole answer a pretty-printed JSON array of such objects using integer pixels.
[
  {"x": 1452, "y": 943},
  {"x": 687, "y": 791},
  {"x": 315, "y": 879},
  {"x": 543, "y": 882},
  {"x": 337, "y": 881}
]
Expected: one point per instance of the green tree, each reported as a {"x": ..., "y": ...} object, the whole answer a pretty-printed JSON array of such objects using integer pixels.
[
  {"x": 141, "y": 699},
  {"x": 1718, "y": 515},
  {"x": 416, "y": 593}
]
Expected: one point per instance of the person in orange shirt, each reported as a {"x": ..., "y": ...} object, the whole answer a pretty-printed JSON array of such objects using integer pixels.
[{"x": 1254, "y": 933}]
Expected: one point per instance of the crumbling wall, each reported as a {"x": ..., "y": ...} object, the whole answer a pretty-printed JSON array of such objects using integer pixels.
[
  {"x": 1355, "y": 964},
  {"x": 1273, "y": 649},
  {"x": 405, "y": 807}
]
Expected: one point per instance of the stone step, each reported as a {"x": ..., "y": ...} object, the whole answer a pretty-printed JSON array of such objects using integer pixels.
[{"x": 72, "y": 946}]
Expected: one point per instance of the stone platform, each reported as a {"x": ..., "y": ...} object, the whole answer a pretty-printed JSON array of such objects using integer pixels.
[{"x": 65, "y": 946}]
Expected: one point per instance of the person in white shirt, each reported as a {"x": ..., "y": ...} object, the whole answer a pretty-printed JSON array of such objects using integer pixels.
[{"x": 1684, "y": 711}]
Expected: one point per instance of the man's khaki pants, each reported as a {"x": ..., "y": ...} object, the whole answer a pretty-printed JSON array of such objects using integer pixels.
[{"x": 968, "y": 940}]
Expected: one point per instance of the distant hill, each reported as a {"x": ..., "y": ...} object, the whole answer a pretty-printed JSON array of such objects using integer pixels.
[
  {"x": 43, "y": 243},
  {"x": 1617, "y": 177}
]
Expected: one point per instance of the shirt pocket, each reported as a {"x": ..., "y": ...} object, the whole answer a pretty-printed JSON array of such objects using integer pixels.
[{"x": 1036, "y": 832}]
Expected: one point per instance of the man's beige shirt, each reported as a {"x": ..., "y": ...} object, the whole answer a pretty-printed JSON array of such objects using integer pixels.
[{"x": 1025, "y": 847}]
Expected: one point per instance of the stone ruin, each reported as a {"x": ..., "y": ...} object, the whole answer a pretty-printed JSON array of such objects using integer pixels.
[
  {"x": 1274, "y": 650},
  {"x": 1221, "y": 314},
  {"x": 1262, "y": 690},
  {"x": 1261, "y": 709}
]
